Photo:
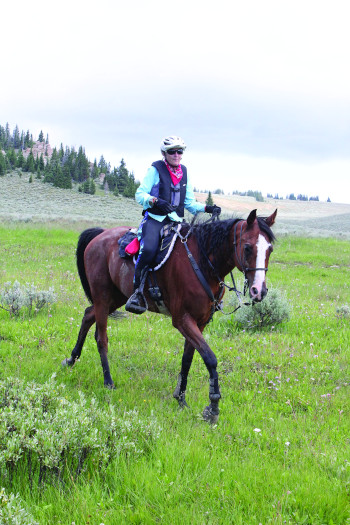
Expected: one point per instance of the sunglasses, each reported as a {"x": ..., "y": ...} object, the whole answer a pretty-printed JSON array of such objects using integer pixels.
[{"x": 173, "y": 151}]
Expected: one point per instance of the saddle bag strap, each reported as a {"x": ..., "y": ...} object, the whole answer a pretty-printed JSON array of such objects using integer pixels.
[{"x": 199, "y": 274}]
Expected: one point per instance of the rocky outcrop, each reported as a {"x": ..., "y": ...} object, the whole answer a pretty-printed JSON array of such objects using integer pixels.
[{"x": 38, "y": 149}]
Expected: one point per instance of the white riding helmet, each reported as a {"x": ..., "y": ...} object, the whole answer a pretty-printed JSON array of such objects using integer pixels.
[{"x": 172, "y": 142}]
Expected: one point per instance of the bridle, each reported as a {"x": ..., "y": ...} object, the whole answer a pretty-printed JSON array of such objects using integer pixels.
[
  {"x": 242, "y": 262},
  {"x": 217, "y": 302},
  {"x": 244, "y": 266}
]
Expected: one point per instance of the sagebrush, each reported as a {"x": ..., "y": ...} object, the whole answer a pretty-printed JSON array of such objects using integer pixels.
[
  {"x": 14, "y": 297},
  {"x": 50, "y": 436}
]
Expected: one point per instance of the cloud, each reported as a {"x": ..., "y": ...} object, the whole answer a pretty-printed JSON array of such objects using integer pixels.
[{"x": 259, "y": 86}]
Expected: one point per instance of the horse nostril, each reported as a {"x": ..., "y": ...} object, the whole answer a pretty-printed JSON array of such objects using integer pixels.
[{"x": 254, "y": 291}]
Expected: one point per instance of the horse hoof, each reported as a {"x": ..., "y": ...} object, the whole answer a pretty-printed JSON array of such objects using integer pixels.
[
  {"x": 180, "y": 399},
  {"x": 110, "y": 386},
  {"x": 182, "y": 403},
  {"x": 210, "y": 416},
  {"x": 65, "y": 362}
]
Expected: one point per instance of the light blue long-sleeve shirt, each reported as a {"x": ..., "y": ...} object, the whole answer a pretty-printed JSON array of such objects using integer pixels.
[{"x": 144, "y": 194}]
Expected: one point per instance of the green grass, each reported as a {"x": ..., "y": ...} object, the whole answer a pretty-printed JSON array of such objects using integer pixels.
[{"x": 291, "y": 382}]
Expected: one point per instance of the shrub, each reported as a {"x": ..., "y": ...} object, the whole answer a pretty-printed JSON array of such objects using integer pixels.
[
  {"x": 273, "y": 310},
  {"x": 343, "y": 311},
  {"x": 12, "y": 511},
  {"x": 17, "y": 296},
  {"x": 51, "y": 439}
]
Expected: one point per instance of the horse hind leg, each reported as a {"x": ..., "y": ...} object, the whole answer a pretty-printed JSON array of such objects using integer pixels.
[
  {"x": 86, "y": 323},
  {"x": 180, "y": 390},
  {"x": 101, "y": 337}
]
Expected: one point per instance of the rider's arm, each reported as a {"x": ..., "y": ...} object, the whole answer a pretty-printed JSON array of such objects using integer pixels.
[
  {"x": 191, "y": 204},
  {"x": 147, "y": 190}
]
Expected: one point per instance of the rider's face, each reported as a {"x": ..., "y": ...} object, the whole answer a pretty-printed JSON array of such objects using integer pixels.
[{"x": 174, "y": 160}]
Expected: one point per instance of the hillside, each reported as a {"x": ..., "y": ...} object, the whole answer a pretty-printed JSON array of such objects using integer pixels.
[{"x": 39, "y": 202}]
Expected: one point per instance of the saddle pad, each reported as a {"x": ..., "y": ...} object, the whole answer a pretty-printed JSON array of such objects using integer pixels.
[
  {"x": 129, "y": 242},
  {"x": 124, "y": 241}
]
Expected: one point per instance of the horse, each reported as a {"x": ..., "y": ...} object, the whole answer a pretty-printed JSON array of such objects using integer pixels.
[{"x": 191, "y": 282}]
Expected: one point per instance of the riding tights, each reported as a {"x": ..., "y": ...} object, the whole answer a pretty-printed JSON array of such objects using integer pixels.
[{"x": 148, "y": 247}]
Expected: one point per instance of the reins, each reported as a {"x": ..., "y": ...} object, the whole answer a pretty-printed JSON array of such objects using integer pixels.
[{"x": 217, "y": 302}]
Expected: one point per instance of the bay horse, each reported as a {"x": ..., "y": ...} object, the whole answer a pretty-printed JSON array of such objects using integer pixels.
[{"x": 191, "y": 282}]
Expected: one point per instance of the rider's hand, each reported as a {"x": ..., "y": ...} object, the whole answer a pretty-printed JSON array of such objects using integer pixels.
[
  {"x": 163, "y": 206},
  {"x": 213, "y": 209}
]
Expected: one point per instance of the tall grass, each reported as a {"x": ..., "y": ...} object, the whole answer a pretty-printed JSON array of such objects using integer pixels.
[{"x": 280, "y": 452}]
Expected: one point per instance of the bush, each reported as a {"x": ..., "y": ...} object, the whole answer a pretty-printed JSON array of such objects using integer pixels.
[
  {"x": 12, "y": 512},
  {"x": 273, "y": 310},
  {"x": 343, "y": 311},
  {"x": 15, "y": 297},
  {"x": 51, "y": 439}
]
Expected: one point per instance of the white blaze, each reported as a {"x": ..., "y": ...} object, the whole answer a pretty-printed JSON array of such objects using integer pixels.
[{"x": 262, "y": 246}]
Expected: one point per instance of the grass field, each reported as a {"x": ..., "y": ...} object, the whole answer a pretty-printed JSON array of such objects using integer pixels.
[{"x": 280, "y": 452}]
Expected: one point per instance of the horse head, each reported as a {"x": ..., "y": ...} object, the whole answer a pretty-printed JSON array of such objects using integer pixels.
[{"x": 253, "y": 240}]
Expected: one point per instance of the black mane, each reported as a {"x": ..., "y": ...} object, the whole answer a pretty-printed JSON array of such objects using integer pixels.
[
  {"x": 264, "y": 227},
  {"x": 213, "y": 238}
]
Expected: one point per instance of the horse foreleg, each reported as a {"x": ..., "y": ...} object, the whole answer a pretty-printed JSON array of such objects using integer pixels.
[
  {"x": 86, "y": 323},
  {"x": 102, "y": 343},
  {"x": 180, "y": 390},
  {"x": 188, "y": 327}
]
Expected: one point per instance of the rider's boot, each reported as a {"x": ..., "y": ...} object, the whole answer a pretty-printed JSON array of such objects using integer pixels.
[{"x": 136, "y": 302}]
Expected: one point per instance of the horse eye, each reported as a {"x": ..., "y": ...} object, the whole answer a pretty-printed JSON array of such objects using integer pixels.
[{"x": 248, "y": 249}]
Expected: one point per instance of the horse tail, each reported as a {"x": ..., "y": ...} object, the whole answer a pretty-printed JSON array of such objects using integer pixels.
[{"x": 85, "y": 238}]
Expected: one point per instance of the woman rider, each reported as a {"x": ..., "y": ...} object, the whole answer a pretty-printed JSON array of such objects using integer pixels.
[{"x": 164, "y": 194}]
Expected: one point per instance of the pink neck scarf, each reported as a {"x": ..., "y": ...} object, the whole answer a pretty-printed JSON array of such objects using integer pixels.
[{"x": 175, "y": 176}]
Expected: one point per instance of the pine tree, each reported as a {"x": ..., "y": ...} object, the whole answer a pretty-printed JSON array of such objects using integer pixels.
[
  {"x": 30, "y": 164},
  {"x": 129, "y": 190},
  {"x": 12, "y": 158},
  {"x": 20, "y": 159},
  {"x": 2, "y": 164},
  {"x": 92, "y": 187},
  {"x": 16, "y": 138},
  {"x": 41, "y": 136},
  {"x": 88, "y": 187},
  {"x": 123, "y": 176},
  {"x": 82, "y": 166},
  {"x": 7, "y": 135},
  {"x": 102, "y": 165},
  {"x": 209, "y": 201},
  {"x": 41, "y": 163},
  {"x": 95, "y": 170},
  {"x": 27, "y": 143},
  {"x": 36, "y": 162}
]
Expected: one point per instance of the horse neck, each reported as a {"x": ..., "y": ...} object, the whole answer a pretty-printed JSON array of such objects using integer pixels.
[{"x": 224, "y": 261}]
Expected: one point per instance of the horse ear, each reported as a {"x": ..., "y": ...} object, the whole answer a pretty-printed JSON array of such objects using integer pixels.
[
  {"x": 251, "y": 218},
  {"x": 271, "y": 220}
]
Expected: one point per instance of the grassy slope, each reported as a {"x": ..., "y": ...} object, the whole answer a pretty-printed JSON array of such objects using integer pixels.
[
  {"x": 277, "y": 381},
  {"x": 39, "y": 202}
]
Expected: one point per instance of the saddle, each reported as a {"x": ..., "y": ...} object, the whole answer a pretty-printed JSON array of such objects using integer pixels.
[{"x": 129, "y": 244}]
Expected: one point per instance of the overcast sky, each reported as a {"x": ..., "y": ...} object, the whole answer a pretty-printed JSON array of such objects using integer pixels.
[{"x": 259, "y": 90}]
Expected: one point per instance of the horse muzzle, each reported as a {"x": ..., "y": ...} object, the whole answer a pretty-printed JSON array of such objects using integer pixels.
[{"x": 258, "y": 293}]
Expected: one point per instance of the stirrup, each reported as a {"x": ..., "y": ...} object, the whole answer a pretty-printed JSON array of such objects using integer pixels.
[{"x": 133, "y": 303}]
